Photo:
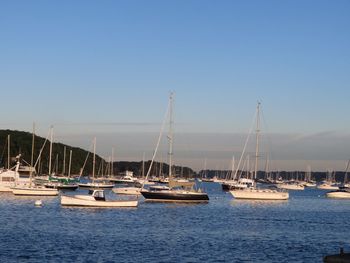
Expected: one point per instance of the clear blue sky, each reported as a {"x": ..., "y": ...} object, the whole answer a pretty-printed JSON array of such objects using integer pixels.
[{"x": 115, "y": 62}]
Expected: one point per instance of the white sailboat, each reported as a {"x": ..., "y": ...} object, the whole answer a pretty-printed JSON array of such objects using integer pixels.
[
  {"x": 8, "y": 176},
  {"x": 95, "y": 183},
  {"x": 291, "y": 186},
  {"x": 329, "y": 183},
  {"x": 344, "y": 191},
  {"x": 254, "y": 193},
  {"x": 33, "y": 189}
]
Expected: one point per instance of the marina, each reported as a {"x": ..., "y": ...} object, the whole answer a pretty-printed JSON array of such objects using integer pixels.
[
  {"x": 304, "y": 228},
  {"x": 194, "y": 131}
]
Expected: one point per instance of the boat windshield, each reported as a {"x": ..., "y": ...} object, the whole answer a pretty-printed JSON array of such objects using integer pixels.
[{"x": 99, "y": 195}]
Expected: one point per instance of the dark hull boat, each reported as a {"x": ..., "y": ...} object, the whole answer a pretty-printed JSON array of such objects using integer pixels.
[
  {"x": 61, "y": 186},
  {"x": 175, "y": 196}
]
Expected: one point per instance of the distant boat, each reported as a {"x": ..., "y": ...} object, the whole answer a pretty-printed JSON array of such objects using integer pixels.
[
  {"x": 96, "y": 198},
  {"x": 329, "y": 183},
  {"x": 344, "y": 190},
  {"x": 32, "y": 189},
  {"x": 127, "y": 190},
  {"x": 95, "y": 183},
  {"x": 63, "y": 182},
  {"x": 291, "y": 186},
  {"x": 254, "y": 193},
  {"x": 128, "y": 178},
  {"x": 179, "y": 191}
]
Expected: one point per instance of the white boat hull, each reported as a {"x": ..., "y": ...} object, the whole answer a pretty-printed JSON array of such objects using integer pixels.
[
  {"x": 291, "y": 186},
  {"x": 310, "y": 185},
  {"x": 34, "y": 191},
  {"x": 6, "y": 187},
  {"x": 339, "y": 194},
  {"x": 127, "y": 190},
  {"x": 89, "y": 201},
  {"x": 327, "y": 187},
  {"x": 259, "y": 194}
]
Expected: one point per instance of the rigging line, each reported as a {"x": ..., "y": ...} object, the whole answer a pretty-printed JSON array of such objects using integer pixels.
[
  {"x": 245, "y": 144},
  {"x": 42, "y": 148},
  {"x": 87, "y": 156},
  {"x": 269, "y": 153},
  {"x": 158, "y": 142}
]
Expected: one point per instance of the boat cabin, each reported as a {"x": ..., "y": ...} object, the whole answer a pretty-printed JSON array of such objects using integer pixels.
[{"x": 99, "y": 195}]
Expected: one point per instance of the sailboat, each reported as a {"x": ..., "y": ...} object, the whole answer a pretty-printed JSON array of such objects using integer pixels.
[
  {"x": 96, "y": 197},
  {"x": 178, "y": 191},
  {"x": 344, "y": 191},
  {"x": 34, "y": 189},
  {"x": 60, "y": 182},
  {"x": 329, "y": 183},
  {"x": 252, "y": 192},
  {"x": 95, "y": 184},
  {"x": 205, "y": 177},
  {"x": 8, "y": 176}
]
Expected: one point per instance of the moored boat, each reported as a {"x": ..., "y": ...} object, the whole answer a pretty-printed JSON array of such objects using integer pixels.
[
  {"x": 127, "y": 190},
  {"x": 179, "y": 190},
  {"x": 253, "y": 192},
  {"x": 34, "y": 191},
  {"x": 259, "y": 194},
  {"x": 174, "y": 195},
  {"x": 96, "y": 198},
  {"x": 340, "y": 194}
]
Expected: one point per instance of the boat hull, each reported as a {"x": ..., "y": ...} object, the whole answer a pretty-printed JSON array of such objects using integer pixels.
[
  {"x": 96, "y": 186},
  {"x": 6, "y": 188},
  {"x": 127, "y": 190},
  {"x": 339, "y": 194},
  {"x": 259, "y": 194},
  {"x": 90, "y": 202},
  {"x": 327, "y": 187},
  {"x": 35, "y": 191},
  {"x": 295, "y": 187},
  {"x": 175, "y": 196}
]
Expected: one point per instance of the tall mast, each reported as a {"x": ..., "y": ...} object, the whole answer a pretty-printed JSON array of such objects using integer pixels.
[
  {"x": 70, "y": 162},
  {"x": 32, "y": 158},
  {"x": 64, "y": 160},
  {"x": 257, "y": 139},
  {"x": 94, "y": 160},
  {"x": 112, "y": 162},
  {"x": 51, "y": 137},
  {"x": 143, "y": 165},
  {"x": 8, "y": 151},
  {"x": 170, "y": 133}
]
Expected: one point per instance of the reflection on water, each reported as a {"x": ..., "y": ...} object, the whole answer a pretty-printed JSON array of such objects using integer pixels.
[
  {"x": 258, "y": 203},
  {"x": 302, "y": 229}
]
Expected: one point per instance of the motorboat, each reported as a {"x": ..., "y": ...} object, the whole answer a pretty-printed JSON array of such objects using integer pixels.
[{"x": 95, "y": 198}]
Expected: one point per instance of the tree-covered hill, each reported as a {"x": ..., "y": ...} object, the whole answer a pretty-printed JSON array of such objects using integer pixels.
[{"x": 21, "y": 143}]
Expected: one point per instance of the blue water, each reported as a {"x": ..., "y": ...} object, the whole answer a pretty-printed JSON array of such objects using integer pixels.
[{"x": 302, "y": 229}]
